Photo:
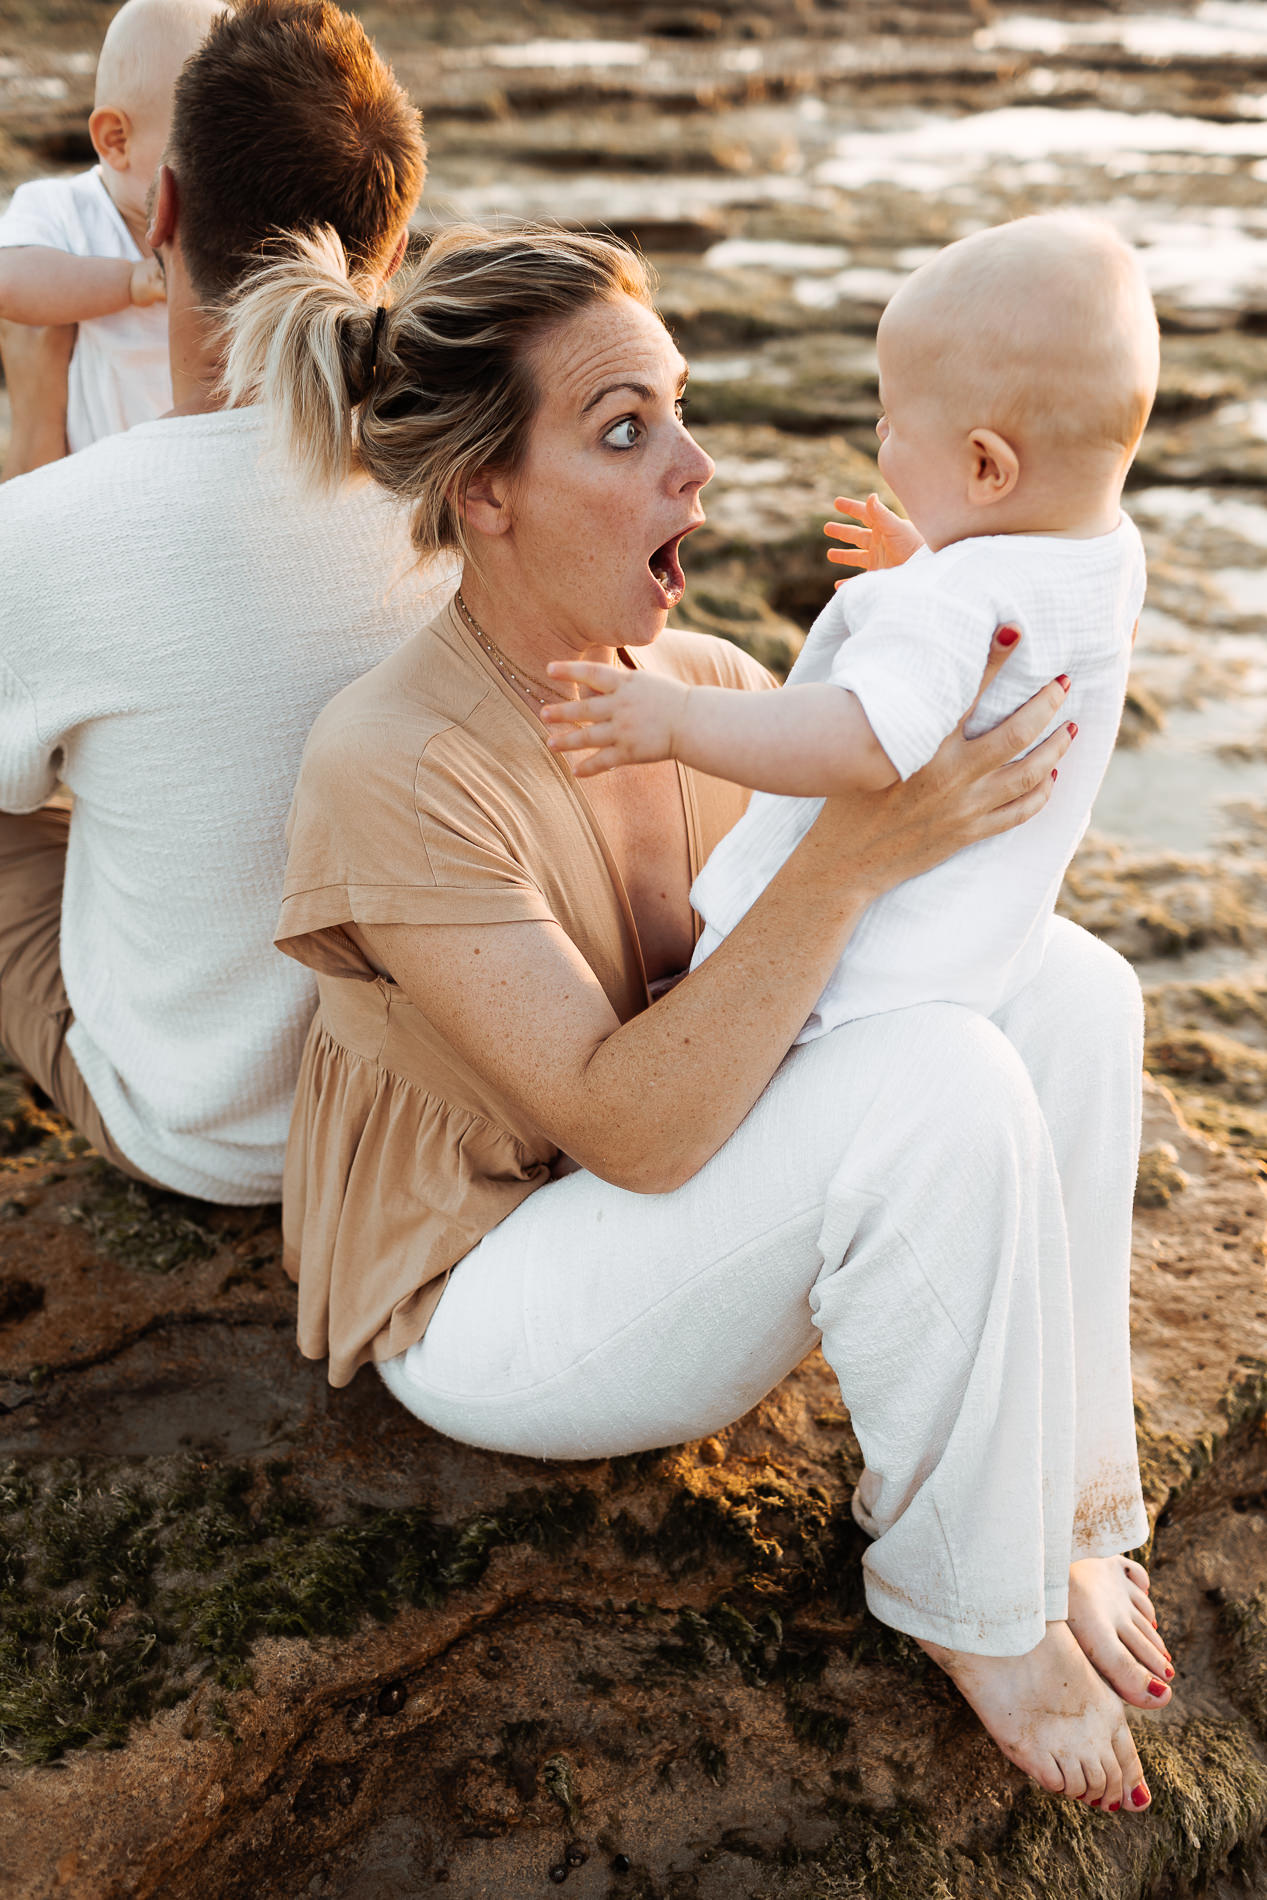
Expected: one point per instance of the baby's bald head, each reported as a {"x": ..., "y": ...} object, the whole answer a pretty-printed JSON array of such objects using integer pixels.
[
  {"x": 1042, "y": 330},
  {"x": 146, "y": 44}
]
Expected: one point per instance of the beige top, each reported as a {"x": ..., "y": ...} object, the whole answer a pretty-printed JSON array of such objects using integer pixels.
[{"x": 427, "y": 794}]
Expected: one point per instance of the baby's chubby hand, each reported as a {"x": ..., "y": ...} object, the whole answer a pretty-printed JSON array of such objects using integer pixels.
[
  {"x": 877, "y": 536},
  {"x": 622, "y": 718},
  {"x": 147, "y": 283}
]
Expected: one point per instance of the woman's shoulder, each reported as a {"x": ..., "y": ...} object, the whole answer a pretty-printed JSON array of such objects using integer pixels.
[
  {"x": 702, "y": 659},
  {"x": 385, "y": 720}
]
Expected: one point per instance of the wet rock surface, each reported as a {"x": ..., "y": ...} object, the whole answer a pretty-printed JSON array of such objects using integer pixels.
[
  {"x": 259, "y": 1638},
  {"x": 262, "y": 1639}
]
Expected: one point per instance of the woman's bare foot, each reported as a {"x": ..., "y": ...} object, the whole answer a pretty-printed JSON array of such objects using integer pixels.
[
  {"x": 1115, "y": 1626},
  {"x": 1053, "y": 1716}
]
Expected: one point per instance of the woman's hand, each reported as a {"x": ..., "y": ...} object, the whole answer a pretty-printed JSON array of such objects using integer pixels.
[
  {"x": 970, "y": 789},
  {"x": 876, "y": 536}
]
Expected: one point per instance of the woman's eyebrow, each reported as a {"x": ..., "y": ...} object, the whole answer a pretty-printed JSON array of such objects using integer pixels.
[{"x": 609, "y": 389}]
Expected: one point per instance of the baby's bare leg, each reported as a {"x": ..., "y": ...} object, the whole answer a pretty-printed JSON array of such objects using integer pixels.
[{"x": 36, "y": 364}]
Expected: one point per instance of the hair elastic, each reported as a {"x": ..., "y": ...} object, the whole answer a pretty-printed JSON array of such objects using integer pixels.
[{"x": 379, "y": 317}]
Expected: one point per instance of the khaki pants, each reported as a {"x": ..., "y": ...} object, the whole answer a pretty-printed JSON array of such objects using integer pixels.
[{"x": 34, "y": 1012}]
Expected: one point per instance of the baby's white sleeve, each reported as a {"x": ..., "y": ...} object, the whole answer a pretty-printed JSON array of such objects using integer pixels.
[
  {"x": 29, "y": 762},
  {"x": 35, "y": 216},
  {"x": 914, "y": 657}
]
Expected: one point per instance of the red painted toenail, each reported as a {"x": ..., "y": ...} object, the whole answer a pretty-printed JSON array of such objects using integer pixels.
[
  {"x": 1139, "y": 1796},
  {"x": 1170, "y": 1675},
  {"x": 1115, "y": 1806},
  {"x": 1156, "y": 1688}
]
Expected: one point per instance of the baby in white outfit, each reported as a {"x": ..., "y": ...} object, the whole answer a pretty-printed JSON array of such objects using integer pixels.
[
  {"x": 1017, "y": 371},
  {"x": 73, "y": 251}
]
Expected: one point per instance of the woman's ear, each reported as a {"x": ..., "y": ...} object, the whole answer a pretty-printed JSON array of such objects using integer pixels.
[
  {"x": 111, "y": 133},
  {"x": 485, "y": 507},
  {"x": 994, "y": 468}
]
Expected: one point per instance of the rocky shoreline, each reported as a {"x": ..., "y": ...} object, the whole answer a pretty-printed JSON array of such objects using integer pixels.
[
  {"x": 325, "y": 1652},
  {"x": 261, "y": 1639}
]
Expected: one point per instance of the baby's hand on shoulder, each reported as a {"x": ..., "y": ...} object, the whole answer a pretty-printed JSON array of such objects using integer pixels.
[
  {"x": 876, "y": 537},
  {"x": 148, "y": 286}
]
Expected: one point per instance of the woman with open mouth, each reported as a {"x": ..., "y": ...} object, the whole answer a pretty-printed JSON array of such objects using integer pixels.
[{"x": 571, "y": 1207}]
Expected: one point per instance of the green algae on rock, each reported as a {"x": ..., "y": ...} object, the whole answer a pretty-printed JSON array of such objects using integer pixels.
[
  {"x": 123, "y": 1587},
  {"x": 1244, "y": 1623},
  {"x": 145, "y": 1226}
]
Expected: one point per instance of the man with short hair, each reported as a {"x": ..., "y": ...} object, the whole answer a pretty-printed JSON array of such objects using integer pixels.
[{"x": 176, "y": 611}]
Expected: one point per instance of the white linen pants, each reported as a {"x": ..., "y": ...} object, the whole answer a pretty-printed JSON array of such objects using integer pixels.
[{"x": 946, "y": 1199}]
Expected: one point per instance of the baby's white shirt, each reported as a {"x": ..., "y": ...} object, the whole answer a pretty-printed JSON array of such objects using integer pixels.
[
  {"x": 119, "y": 372},
  {"x": 911, "y": 642}
]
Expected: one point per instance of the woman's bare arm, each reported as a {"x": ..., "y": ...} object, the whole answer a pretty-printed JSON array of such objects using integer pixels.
[{"x": 645, "y": 1104}]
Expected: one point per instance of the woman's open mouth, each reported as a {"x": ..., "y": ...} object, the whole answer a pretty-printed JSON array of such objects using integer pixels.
[{"x": 666, "y": 569}]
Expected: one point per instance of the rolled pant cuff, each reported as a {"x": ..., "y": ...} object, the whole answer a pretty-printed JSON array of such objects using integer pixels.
[
  {"x": 1128, "y": 1536},
  {"x": 977, "y": 1636}
]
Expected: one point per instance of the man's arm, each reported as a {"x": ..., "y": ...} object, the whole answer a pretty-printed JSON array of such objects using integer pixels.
[
  {"x": 805, "y": 741},
  {"x": 39, "y": 285}
]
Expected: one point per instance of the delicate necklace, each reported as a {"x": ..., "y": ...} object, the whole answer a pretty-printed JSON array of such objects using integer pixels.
[{"x": 498, "y": 658}]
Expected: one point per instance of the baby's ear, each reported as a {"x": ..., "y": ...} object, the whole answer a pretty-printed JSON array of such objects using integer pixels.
[
  {"x": 994, "y": 468},
  {"x": 111, "y": 133}
]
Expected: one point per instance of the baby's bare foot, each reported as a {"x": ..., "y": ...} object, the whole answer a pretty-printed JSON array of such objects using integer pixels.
[
  {"x": 1114, "y": 1624},
  {"x": 1053, "y": 1716}
]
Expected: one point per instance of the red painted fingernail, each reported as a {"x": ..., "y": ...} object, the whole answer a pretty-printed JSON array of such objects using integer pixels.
[
  {"x": 1156, "y": 1688},
  {"x": 1139, "y": 1796},
  {"x": 1073, "y": 730},
  {"x": 1062, "y": 679},
  {"x": 1007, "y": 636}
]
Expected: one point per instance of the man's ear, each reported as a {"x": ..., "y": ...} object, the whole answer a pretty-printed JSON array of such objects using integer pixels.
[
  {"x": 397, "y": 256},
  {"x": 486, "y": 508},
  {"x": 164, "y": 208},
  {"x": 994, "y": 468},
  {"x": 111, "y": 133}
]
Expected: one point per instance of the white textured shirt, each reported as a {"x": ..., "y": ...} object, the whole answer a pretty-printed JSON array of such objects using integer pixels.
[
  {"x": 174, "y": 615},
  {"x": 119, "y": 373},
  {"x": 911, "y": 642}
]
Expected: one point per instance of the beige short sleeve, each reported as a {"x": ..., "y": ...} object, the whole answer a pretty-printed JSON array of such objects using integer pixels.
[{"x": 384, "y": 829}]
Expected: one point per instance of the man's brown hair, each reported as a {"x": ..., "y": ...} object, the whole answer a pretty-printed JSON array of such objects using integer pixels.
[{"x": 285, "y": 120}]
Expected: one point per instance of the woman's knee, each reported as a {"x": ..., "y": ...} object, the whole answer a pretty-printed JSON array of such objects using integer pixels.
[
  {"x": 945, "y": 1085},
  {"x": 1091, "y": 982},
  {"x": 982, "y": 1071}
]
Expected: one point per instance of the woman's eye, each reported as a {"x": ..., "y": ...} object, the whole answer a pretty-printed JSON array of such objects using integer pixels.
[
  {"x": 623, "y": 434},
  {"x": 679, "y": 408}
]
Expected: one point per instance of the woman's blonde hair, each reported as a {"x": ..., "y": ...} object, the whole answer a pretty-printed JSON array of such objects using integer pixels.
[{"x": 425, "y": 394}]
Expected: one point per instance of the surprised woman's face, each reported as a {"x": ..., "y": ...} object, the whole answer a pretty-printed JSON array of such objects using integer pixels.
[{"x": 611, "y": 481}]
